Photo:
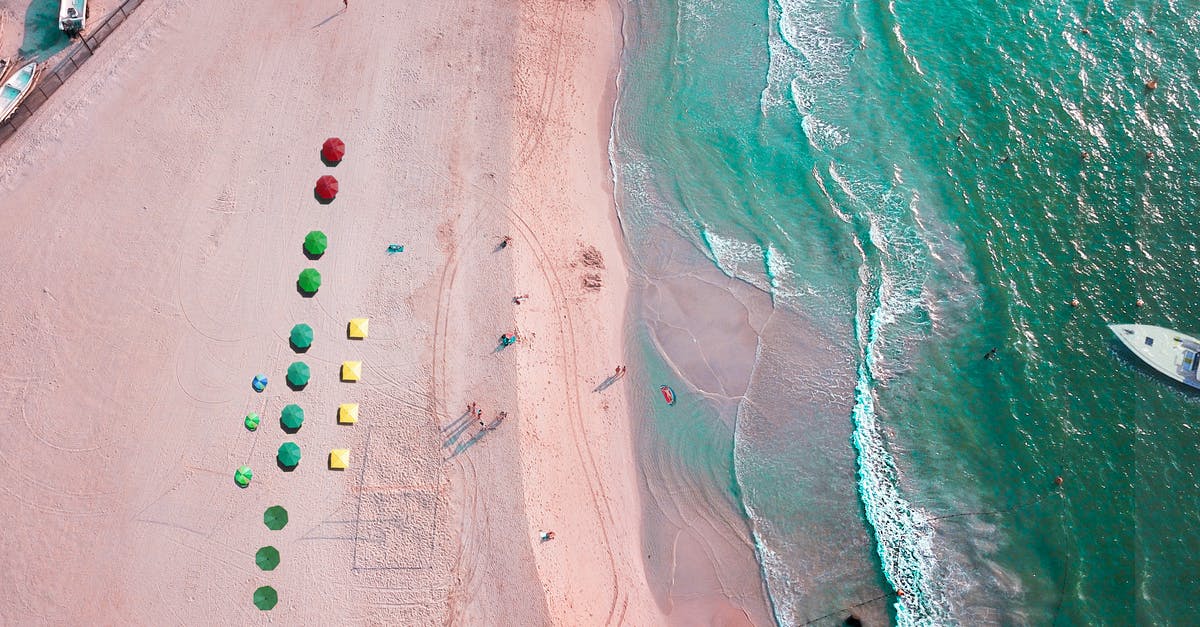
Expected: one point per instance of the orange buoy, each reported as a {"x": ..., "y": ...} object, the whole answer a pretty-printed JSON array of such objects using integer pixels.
[{"x": 1058, "y": 481}]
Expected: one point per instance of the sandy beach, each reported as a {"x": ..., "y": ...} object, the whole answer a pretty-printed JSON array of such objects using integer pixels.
[{"x": 155, "y": 210}]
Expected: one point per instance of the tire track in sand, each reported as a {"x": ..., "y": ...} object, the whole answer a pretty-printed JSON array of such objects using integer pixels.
[{"x": 570, "y": 369}]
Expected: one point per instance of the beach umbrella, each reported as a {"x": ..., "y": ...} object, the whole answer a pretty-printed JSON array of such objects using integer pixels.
[
  {"x": 267, "y": 558},
  {"x": 351, "y": 370},
  {"x": 298, "y": 374},
  {"x": 289, "y": 454},
  {"x": 265, "y": 598},
  {"x": 252, "y": 421},
  {"x": 309, "y": 281},
  {"x": 347, "y": 413},
  {"x": 339, "y": 459},
  {"x": 259, "y": 382},
  {"x": 327, "y": 187},
  {"x": 302, "y": 336},
  {"x": 243, "y": 476},
  {"x": 315, "y": 243},
  {"x": 358, "y": 328},
  {"x": 275, "y": 518},
  {"x": 292, "y": 417},
  {"x": 333, "y": 150}
]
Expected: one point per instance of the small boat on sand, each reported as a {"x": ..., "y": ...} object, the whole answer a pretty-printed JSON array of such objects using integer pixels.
[
  {"x": 15, "y": 87},
  {"x": 72, "y": 15},
  {"x": 1170, "y": 352},
  {"x": 668, "y": 394}
]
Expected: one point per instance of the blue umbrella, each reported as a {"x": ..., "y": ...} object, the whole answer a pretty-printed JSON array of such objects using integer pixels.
[{"x": 259, "y": 382}]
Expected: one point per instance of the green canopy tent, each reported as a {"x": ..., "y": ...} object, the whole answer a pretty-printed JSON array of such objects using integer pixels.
[
  {"x": 265, "y": 598},
  {"x": 292, "y": 418},
  {"x": 243, "y": 476},
  {"x": 275, "y": 518},
  {"x": 298, "y": 374},
  {"x": 289, "y": 455},
  {"x": 302, "y": 336},
  {"x": 267, "y": 558},
  {"x": 315, "y": 243},
  {"x": 252, "y": 421},
  {"x": 309, "y": 281}
]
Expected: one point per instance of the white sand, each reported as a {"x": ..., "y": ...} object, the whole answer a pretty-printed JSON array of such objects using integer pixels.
[{"x": 153, "y": 216}]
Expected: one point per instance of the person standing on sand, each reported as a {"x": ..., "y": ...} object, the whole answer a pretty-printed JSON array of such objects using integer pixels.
[{"x": 345, "y": 5}]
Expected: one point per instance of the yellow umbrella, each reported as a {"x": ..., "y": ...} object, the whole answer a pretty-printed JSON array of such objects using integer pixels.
[
  {"x": 351, "y": 370},
  {"x": 339, "y": 459},
  {"x": 347, "y": 413},
  {"x": 358, "y": 328}
]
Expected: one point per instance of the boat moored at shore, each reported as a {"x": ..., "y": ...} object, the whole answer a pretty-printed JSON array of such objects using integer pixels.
[
  {"x": 16, "y": 86},
  {"x": 72, "y": 15}
]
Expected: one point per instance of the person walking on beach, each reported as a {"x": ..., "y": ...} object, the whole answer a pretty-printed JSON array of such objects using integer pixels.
[{"x": 345, "y": 5}]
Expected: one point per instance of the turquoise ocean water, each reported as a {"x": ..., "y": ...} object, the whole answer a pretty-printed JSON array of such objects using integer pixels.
[{"x": 924, "y": 181}]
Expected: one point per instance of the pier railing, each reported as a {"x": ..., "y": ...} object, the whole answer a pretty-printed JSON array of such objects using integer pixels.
[{"x": 53, "y": 78}]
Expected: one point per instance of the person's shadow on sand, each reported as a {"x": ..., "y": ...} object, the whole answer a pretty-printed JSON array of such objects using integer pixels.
[
  {"x": 604, "y": 385},
  {"x": 326, "y": 20}
]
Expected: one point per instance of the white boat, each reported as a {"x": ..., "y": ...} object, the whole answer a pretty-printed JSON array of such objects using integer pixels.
[
  {"x": 72, "y": 15},
  {"x": 1172, "y": 353},
  {"x": 16, "y": 86}
]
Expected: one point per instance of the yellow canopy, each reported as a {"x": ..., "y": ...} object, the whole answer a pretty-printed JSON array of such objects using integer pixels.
[
  {"x": 347, "y": 413},
  {"x": 339, "y": 459},
  {"x": 351, "y": 370},
  {"x": 358, "y": 328}
]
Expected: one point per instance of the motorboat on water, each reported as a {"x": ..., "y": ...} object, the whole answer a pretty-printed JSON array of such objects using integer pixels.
[
  {"x": 15, "y": 87},
  {"x": 72, "y": 15},
  {"x": 1170, "y": 352}
]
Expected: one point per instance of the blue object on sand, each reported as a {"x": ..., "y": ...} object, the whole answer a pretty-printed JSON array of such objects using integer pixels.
[
  {"x": 259, "y": 382},
  {"x": 395, "y": 248}
]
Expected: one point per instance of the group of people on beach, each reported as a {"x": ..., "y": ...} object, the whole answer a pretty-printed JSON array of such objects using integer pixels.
[{"x": 476, "y": 412}]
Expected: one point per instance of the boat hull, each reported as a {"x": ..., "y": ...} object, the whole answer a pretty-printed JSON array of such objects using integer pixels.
[
  {"x": 1174, "y": 354},
  {"x": 15, "y": 87},
  {"x": 72, "y": 15}
]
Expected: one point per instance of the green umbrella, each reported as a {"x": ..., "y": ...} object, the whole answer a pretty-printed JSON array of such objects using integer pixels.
[
  {"x": 243, "y": 476},
  {"x": 265, "y": 598},
  {"x": 301, "y": 336},
  {"x": 289, "y": 454},
  {"x": 315, "y": 243},
  {"x": 275, "y": 518},
  {"x": 292, "y": 417},
  {"x": 267, "y": 558},
  {"x": 252, "y": 421},
  {"x": 309, "y": 281},
  {"x": 298, "y": 374}
]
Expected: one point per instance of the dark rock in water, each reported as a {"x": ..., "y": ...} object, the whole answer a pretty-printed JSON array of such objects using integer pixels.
[{"x": 852, "y": 621}]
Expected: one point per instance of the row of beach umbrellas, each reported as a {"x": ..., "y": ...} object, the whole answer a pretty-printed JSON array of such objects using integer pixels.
[{"x": 298, "y": 375}]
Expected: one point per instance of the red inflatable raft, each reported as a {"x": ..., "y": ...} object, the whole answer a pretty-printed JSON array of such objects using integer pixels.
[{"x": 668, "y": 394}]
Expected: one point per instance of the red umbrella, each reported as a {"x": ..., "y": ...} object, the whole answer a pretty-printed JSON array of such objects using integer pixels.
[
  {"x": 333, "y": 150},
  {"x": 327, "y": 187}
]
